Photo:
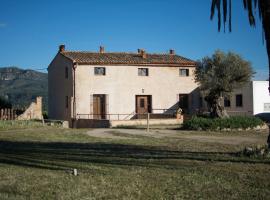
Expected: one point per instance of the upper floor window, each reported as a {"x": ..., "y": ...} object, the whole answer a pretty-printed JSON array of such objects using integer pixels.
[
  {"x": 239, "y": 100},
  {"x": 184, "y": 72},
  {"x": 100, "y": 71},
  {"x": 66, "y": 72},
  {"x": 143, "y": 72}
]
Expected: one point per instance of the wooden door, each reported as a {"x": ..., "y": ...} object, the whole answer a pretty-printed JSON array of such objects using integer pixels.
[
  {"x": 143, "y": 106},
  {"x": 99, "y": 106}
]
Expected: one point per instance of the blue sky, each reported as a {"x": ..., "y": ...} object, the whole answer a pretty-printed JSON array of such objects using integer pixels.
[{"x": 31, "y": 30}]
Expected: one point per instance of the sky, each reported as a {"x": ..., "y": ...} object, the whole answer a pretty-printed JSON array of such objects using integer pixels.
[{"x": 31, "y": 30}]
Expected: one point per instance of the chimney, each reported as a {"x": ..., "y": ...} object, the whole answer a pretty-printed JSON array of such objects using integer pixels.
[
  {"x": 101, "y": 49},
  {"x": 143, "y": 53},
  {"x": 62, "y": 48},
  {"x": 172, "y": 52}
]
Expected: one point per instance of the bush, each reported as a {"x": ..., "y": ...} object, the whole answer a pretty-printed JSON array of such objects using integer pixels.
[
  {"x": 45, "y": 115},
  {"x": 236, "y": 122}
]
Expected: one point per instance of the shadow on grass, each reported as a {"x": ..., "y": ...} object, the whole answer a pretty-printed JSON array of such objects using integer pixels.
[{"x": 63, "y": 156}]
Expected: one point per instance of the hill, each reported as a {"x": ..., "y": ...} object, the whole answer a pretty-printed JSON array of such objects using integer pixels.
[{"x": 21, "y": 87}]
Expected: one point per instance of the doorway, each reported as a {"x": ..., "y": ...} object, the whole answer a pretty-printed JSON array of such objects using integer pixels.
[
  {"x": 99, "y": 106},
  {"x": 143, "y": 105},
  {"x": 183, "y": 102}
]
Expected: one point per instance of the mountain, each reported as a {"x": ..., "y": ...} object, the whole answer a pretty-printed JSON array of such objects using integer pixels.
[{"x": 21, "y": 87}]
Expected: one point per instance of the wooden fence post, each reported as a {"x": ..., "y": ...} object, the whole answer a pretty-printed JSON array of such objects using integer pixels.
[
  {"x": 148, "y": 118},
  {"x": 8, "y": 115},
  {"x": 5, "y": 113}
]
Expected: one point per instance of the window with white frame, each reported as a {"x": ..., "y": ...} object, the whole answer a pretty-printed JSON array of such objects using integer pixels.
[
  {"x": 184, "y": 72},
  {"x": 143, "y": 71},
  {"x": 100, "y": 71}
]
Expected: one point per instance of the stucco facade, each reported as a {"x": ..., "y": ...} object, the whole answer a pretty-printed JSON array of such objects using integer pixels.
[
  {"x": 121, "y": 84},
  {"x": 247, "y": 101}
]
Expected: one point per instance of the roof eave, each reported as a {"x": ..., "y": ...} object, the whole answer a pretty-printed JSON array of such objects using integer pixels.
[{"x": 141, "y": 64}]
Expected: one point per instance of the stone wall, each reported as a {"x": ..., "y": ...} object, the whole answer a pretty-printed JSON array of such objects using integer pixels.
[
  {"x": 34, "y": 111},
  {"x": 91, "y": 123}
]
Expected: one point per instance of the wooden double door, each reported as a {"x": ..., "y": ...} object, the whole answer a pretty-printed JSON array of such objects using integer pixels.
[
  {"x": 99, "y": 106},
  {"x": 143, "y": 105}
]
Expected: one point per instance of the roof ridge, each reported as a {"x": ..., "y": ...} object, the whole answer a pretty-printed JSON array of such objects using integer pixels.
[
  {"x": 135, "y": 53},
  {"x": 125, "y": 57}
]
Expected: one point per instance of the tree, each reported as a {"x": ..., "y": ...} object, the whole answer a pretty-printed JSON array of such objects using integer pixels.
[
  {"x": 4, "y": 103},
  {"x": 263, "y": 6},
  {"x": 218, "y": 76}
]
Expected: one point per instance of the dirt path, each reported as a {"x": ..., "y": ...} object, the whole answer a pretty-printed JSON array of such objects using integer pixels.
[{"x": 176, "y": 134}]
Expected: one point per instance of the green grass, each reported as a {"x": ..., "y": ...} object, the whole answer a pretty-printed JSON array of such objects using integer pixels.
[{"x": 36, "y": 163}]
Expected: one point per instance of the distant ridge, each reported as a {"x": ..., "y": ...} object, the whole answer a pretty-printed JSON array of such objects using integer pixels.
[{"x": 21, "y": 86}]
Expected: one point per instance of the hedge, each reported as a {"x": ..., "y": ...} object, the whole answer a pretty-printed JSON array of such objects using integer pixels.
[{"x": 235, "y": 122}]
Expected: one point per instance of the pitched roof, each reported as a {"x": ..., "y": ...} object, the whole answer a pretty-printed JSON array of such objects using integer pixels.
[{"x": 95, "y": 58}]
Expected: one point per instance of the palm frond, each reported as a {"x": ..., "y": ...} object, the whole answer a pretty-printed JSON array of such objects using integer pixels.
[
  {"x": 216, "y": 6},
  {"x": 249, "y": 8},
  {"x": 213, "y": 6}
]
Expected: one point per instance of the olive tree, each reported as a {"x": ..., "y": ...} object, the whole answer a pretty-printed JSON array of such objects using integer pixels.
[{"x": 218, "y": 76}]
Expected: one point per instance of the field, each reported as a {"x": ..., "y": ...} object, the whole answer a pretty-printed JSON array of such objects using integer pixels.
[{"x": 37, "y": 163}]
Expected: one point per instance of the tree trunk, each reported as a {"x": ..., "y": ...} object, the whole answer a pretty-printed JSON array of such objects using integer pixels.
[
  {"x": 266, "y": 26},
  {"x": 218, "y": 110}
]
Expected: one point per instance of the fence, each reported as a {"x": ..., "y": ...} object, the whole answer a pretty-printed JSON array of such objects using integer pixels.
[
  {"x": 8, "y": 114},
  {"x": 155, "y": 114}
]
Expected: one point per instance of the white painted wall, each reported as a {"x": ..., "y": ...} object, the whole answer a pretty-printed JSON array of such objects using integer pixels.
[
  {"x": 261, "y": 97},
  {"x": 122, "y": 84}
]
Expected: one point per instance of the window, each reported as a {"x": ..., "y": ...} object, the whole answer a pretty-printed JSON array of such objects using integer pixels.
[
  {"x": 227, "y": 102},
  {"x": 266, "y": 107},
  {"x": 143, "y": 72},
  {"x": 66, "y": 101},
  {"x": 100, "y": 71},
  {"x": 66, "y": 72},
  {"x": 239, "y": 100},
  {"x": 184, "y": 72}
]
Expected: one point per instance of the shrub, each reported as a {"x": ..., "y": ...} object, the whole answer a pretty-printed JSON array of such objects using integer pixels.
[
  {"x": 45, "y": 115},
  {"x": 236, "y": 122}
]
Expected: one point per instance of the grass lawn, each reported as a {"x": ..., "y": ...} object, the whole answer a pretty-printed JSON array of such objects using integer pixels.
[{"x": 36, "y": 163}]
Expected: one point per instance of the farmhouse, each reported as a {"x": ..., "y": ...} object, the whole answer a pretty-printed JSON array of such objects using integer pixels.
[
  {"x": 119, "y": 86},
  {"x": 251, "y": 99}
]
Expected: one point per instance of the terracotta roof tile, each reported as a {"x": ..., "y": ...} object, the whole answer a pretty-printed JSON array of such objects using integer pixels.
[{"x": 82, "y": 57}]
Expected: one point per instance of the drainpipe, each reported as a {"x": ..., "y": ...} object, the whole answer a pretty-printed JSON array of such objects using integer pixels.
[{"x": 74, "y": 91}]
